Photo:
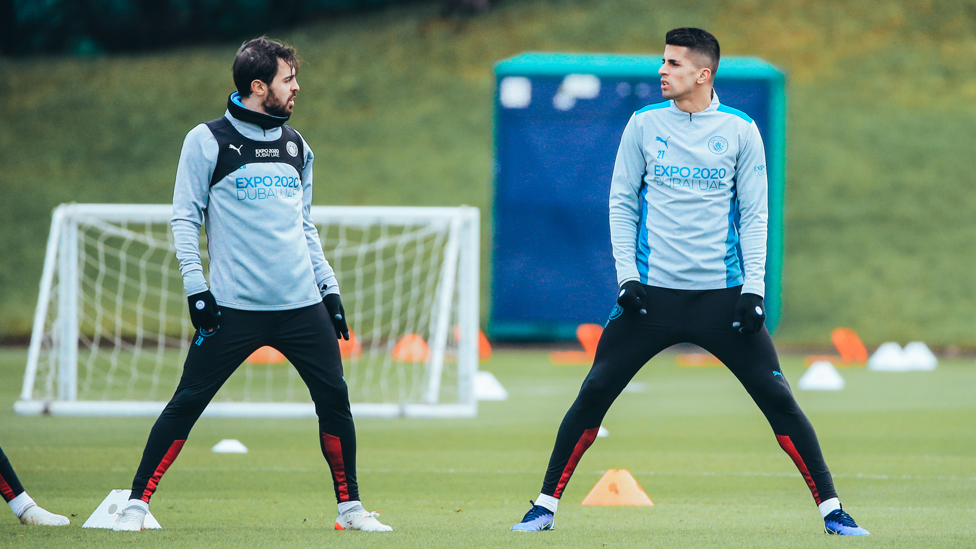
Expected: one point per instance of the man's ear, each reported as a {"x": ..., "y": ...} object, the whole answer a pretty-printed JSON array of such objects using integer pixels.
[
  {"x": 704, "y": 75},
  {"x": 259, "y": 87}
]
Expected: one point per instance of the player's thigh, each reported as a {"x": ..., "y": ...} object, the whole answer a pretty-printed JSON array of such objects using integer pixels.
[
  {"x": 212, "y": 358},
  {"x": 307, "y": 338},
  {"x": 628, "y": 342},
  {"x": 752, "y": 359},
  {"x": 709, "y": 325}
]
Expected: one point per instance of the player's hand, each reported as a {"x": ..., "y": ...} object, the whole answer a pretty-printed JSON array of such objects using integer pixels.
[
  {"x": 750, "y": 314},
  {"x": 632, "y": 297},
  {"x": 204, "y": 312},
  {"x": 338, "y": 315}
]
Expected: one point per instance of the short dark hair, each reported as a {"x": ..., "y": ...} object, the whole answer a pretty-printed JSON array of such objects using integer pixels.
[
  {"x": 697, "y": 40},
  {"x": 258, "y": 60}
]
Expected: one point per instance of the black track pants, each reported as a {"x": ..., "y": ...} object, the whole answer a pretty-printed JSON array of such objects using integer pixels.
[
  {"x": 704, "y": 318},
  {"x": 307, "y": 339},
  {"x": 9, "y": 484}
]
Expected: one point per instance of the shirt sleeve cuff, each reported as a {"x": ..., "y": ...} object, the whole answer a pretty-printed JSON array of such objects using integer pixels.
[
  {"x": 757, "y": 288},
  {"x": 194, "y": 283},
  {"x": 627, "y": 277},
  {"x": 328, "y": 286}
]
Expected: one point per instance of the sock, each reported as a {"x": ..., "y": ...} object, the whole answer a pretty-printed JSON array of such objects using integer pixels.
[
  {"x": 829, "y": 506},
  {"x": 548, "y": 502},
  {"x": 21, "y": 503},
  {"x": 349, "y": 505},
  {"x": 137, "y": 503}
]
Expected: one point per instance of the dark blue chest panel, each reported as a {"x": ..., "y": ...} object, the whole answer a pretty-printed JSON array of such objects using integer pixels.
[{"x": 236, "y": 151}]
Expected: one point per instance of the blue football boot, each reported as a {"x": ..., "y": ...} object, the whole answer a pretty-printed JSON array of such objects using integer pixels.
[
  {"x": 840, "y": 523},
  {"x": 538, "y": 518}
]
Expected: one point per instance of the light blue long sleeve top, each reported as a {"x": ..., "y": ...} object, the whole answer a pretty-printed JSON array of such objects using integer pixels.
[
  {"x": 264, "y": 251},
  {"x": 688, "y": 199}
]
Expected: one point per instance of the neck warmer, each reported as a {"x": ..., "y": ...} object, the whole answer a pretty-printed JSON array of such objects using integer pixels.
[{"x": 240, "y": 112}]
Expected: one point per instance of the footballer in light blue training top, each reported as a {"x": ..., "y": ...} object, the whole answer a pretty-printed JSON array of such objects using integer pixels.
[
  {"x": 246, "y": 177},
  {"x": 688, "y": 212}
]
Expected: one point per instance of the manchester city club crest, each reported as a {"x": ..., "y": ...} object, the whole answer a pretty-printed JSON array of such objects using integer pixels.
[
  {"x": 616, "y": 312},
  {"x": 718, "y": 144},
  {"x": 292, "y": 148}
]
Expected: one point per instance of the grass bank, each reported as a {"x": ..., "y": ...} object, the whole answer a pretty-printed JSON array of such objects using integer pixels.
[{"x": 397, "y": 106}]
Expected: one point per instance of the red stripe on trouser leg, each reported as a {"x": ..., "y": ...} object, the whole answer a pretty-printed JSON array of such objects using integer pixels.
[
  {"x": 788, "y": 447},
  {"x": 6, "y": 490},
  {"x": 333, "y": 453},
  {"x": 585, "y": 441},
  {"x": 168, "y": 459}
]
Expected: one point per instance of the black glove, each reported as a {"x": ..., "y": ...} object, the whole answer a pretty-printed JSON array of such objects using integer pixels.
[
  {"x": 750, "y": 314},
  {"x": 338, "y": 315},
  {"x": 632, "y": 297},
  {"x": 204, "y": 312}
]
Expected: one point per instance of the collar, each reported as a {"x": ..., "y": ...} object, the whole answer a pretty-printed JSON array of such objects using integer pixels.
[
  {"x": 715, "y": 102},
  {"x": 714, "y": 105},
  {"x": 242, "y": 113}
]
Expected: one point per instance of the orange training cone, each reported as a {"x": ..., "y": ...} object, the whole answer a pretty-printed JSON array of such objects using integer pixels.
[
  {"x": 570, "y": 358},
  {"x": 617, "y": 487},
  {"x": 352, "y": 348},
  {"x": 588, "y": 336},
  {"x": 266, "y": 355},
  {"x": 484, "y": 347},
  {"x": 850, "y": 347},
  {"x": 411, "y": 348}
]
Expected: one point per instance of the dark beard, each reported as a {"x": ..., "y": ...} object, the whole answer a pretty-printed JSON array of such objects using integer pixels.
[{"x": 274, "y": 107}]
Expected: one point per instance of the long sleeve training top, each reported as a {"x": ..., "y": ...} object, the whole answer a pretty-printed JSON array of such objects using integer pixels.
[
  {"x": 688, "y": 199},
  {"x": 265, "y": 252}
]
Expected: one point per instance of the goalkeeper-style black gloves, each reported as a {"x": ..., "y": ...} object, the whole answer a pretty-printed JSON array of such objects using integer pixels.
[
  {"x": 750, "y": 314},
  {"x": 338, "y": 315},
  {"x": 204, "y": 311},
  {"x": 632, "y": 297}
]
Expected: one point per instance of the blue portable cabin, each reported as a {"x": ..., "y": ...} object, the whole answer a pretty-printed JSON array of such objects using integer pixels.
[{"x": 558, "y": 121}]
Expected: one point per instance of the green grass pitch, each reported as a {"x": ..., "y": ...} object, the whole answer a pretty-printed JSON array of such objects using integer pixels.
[{"x": 901, "y": 447}]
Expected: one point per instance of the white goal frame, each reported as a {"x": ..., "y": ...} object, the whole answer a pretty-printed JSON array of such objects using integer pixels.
[{"x": 456, "y": 298}]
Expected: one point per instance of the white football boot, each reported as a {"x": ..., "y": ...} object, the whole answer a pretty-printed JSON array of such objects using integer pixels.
[
  {"x": 361, "y": 519},
  {"x": 38, "y": 516},
  {"x": 131, "y": 519}
]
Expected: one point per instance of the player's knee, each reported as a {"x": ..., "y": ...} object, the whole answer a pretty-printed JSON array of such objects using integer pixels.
[
  {"x": 330, "y": 393},
  {"x": 188, "y": 403},
  {"x": 597, "y": 391},
  {"x": 331, "y": 403},
  {"x": 781, "y": 401},
  {"x": 332, "y": 411}
]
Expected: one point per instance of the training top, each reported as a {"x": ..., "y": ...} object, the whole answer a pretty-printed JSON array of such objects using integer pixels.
[
  {"x": 265, "y": 252},
  {"x": 688, "y": 199}
]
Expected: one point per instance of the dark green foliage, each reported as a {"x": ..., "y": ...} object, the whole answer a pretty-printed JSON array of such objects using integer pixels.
[{"x": 92, "y": 26}]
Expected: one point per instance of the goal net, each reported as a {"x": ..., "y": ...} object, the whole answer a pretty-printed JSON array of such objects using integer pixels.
[{"x": 111, "y": 329}]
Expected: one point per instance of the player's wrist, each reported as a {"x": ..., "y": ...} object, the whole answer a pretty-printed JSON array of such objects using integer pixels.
[
  {"x": 337, "y": 313},
  {"x": 204, "y": 311},
  {"x": 632, "y": 296},
  {"x": 194, "y": 283},
  {"x": 750, "y": 313},
  {"x": 326, "y": 288}
]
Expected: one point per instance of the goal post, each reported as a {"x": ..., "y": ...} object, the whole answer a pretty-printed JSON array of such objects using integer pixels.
[{"x": 111, "y": 329}]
